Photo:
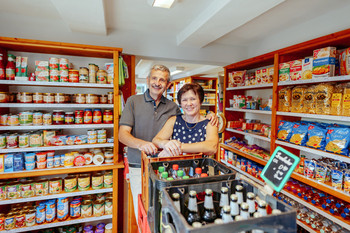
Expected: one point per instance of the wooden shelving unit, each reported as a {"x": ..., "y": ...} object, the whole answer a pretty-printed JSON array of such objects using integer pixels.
[
  {"x": 341, "y": 40},
  {"x": 59, "y": 49}
]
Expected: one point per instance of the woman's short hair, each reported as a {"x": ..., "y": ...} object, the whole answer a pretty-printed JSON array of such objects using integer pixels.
[{"x": 196, "y": 88}]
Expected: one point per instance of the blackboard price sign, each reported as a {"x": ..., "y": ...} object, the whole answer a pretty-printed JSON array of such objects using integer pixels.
[{"x": 279, "y": 168}]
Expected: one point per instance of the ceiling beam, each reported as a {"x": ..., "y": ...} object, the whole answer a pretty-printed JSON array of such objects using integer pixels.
[
  {"x": 87, "y": 16},
  {"x": 220, "y": 18}
]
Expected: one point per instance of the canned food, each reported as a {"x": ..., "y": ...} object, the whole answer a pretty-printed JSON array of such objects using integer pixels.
[
  {"x": 23, "y": 140},
  {"x": 70, "y": 183},
  {"x": 98, "y": 159},
  {"x": 88, "y": 157},
  {"x": 30, "y": 217},
  {"x": 91, "y": 99},
  {"x": 40, "y": 213},
  {"x": 101, "y": 76},
  {"x": 98, "y": 208},
  {"x": 9, "y": 221},
  {"x": 38, "y": 98},
  {"x": 97, "y": 181},
  {"x": 2, "y": 141},
  {"x": 36, "y": 139},
  {"x": 59, "y": 98},
  {"x": 3, "y": 119},
  {"x": 110, "y": 97},
  {"x": 49, "y": 98},
  {"x": 2, "y": 191},
  {"x": 75, "y": 209},
  {"x": 12, "y": 120},
  {"x": 25, "y": 118},
  {"x": 64, "y": 76},
  {"x": 80, "y": 99},
  {"x": 86, "y": 209},
  {"x": 108, "y": 179},
  {"x": 68, "y": 160},
  {"x": 13, "y": 190},
  {"x": 37, "y": 118},
  {"x": 53, "y": 63},
  {"x": 55, "y": 185},
  {"x": 26, "y": 97},
  {"x": 83, "y": 75},
  {"x": 41, "y": 187},
  {"x": 101, "y": 134},
  {"x": 50, "y": 211},
  {"x": 62, "y": 208},
  {"x": 108, "y": 206},
  {"x": 64, "y": 63},
  {"x": 54, "y": 75},
  {"x": 92, "y": 132},
  {"x": 73, "y": 76},
  {"x": 20, "y": 219},
  {"x": 79, "y": 117},
  {"x": 47, "y": 119},
  {"x": 27, "y": 189},
  {"x": 12, "y": 141},
  {"x": 58, "y": 117},
  {"x": 84, "y": 182},
  {"x": 4, "y": 97}
]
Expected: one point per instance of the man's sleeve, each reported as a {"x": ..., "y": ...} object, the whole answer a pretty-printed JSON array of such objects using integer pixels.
[{"x": 127, "y": 117}]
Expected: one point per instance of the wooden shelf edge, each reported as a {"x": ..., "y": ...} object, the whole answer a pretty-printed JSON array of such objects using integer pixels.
[
  {"x": 251, "y": 157},
  {"x": 43, "y": 172}
]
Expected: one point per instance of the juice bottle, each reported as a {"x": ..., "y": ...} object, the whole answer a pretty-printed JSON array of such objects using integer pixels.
[{"x": 336, "y": 210}]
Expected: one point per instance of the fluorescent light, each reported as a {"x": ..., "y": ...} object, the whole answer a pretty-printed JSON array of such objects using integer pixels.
[
  {"x": 163, "y": 3},
  {"x": 177, "y": 70}
]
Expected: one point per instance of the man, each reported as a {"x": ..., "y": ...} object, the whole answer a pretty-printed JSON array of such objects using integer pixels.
[{"x": 143, "y": 117}]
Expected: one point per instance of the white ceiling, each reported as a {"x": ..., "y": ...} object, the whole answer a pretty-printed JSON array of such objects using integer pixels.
[{"x": 201, "y": 35}]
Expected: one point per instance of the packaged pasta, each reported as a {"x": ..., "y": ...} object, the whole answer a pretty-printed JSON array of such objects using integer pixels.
[
  {"x": 309, "y": 103},
  {"x": 299, "y": 134},
  {"x": 285, "y": 130},
  {"x": 338, "y": 140},
  {"x": 298, "y": 94},
  {"x": 337, "y": 97},
  {"x": 324, "y": 92},
  {"x": 316, "y": 136},
  {"x": 346, "y": 100},
  {"x": 307, "y": 68},
  {"x": 285, "y": 99}
]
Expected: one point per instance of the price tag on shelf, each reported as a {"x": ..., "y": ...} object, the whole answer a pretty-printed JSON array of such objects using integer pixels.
[{"x": 279, "y": 168}]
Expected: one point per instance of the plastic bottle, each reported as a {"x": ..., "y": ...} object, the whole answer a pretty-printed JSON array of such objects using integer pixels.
[
  {"x": 251, "y": 203},
  {"x": 223, "y": 199},
  {"x": 160, "y": 170},
  {"x": 180, "y": 174},
  {"x": 239, "y": 193},
  {"x": 176, "y": 199},
  {"x": 175, "y": 168},
  {"x": 193, "y": 214},
  {"x": 226, "y": 216},
  {"x": 234, "y": 205},
  {"x": 335, "y": 210},
  {"x": 204, "y": 175},
  {"x": 209, "y": 211},
  {"x": 164, "y": 175},
  {"x": 198, "y": 172},
  {"x": 185, "y": 177}
]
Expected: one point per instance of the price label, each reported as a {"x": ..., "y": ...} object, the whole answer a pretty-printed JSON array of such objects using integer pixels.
[{"x": 279, "y": 168}]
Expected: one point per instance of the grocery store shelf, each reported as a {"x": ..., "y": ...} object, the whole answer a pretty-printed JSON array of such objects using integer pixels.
[
  {"x": 67, "y": 126},
  {"x": 249, "y": 111},
  {"x": 57, "y": 224},
  {"x": 316, "y": 80},
  {"x": 44, "y": 148},
  {"x": 315, "y": 151},
  {"x": 244, "y": 154},
  {"x": 338, "y": 220},
  {"x": 306, "y": 227},
  {"x": 261, "y": 86},
  {"x": 315, "y": 116},
  {"x": 59, "y": 170},
  {"x": 44, "y": 105},
  {"x": 249, "y": 134},
  {"x": 63, "y": 194},
  {"x": 56, "y": 84},
  {"x": 209, "y": 89}
]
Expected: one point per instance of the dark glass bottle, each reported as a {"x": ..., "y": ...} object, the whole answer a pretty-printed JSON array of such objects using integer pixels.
[
  {"x": 209, "y": 211},
  {"x": 193, "y": 214}
]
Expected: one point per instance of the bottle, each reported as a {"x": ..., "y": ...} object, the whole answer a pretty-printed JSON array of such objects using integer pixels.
[
  {"x": 2, "y": 67},
  {"x": 10, "y": 67},
  {"x": 164, "y": 175},
  {"x": 170, "y": 179},
  {"x": 226, "y": 216},
  {"x": 198, "y": 172},
  {"x": 174, "y": 171},
  {"x": 196, "y": 225},
  {"x": 161, "y": 169},
  {"x": 204, "y": 175},
  {"x": 209, "y": 212},
  {"x": 223, "y": 200},
  {"x": 251, "y": 203},
  {"x": 193, "y": 214},
  {"x": 218, "y": 221},
  {"x": 180, "y": 174},
  {"x": 234, "y": 206},
  {"x": 257, "y": 215},
  {"x": 239, "y": 193},
  {"x": 336, "y": 210},
  {"x": 176, "y": 199},
  {"x": 262, "y": 207},
  {"x": 244, "y": 210}
]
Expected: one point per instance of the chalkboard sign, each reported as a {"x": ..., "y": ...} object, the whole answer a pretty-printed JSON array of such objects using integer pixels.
[{"x": 279, "y": 168}]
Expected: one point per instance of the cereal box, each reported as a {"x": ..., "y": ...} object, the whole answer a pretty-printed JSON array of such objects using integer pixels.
[
  {"x": 258, "y": 76},
  {"x": 295, "y": 69},
  {"x": 324, "y": 62},
  {"x": 307, "y": 68},
  {"x": 344, "y": 62},
  {"x": 236, "y": 78},
  {"x": 283, "y": 73},
  {"x": 264, "y": 76},
  {"x": 270, "y": 73}
]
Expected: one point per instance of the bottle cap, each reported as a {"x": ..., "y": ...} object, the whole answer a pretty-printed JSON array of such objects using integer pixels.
[
  {"x": 196, "y": 225},
  {"x": 198, "y": 170},
  {"x": 176, "y": 196},
  {"x": 175, "y": 166},
  {"x": 218, "y": 221},
  {"x": 250, "y": 195},
  {"x": 224, "y": 190},
  {"x": 276, "y": 211},
  {"x": 204, "y": 175},
  {"x": 165, "y": 175},
  {"x": 257, "y": 215},
  {"x": 244, "y": 206},
  {"x": 170, "y": 178},
  {"x": 192, "y": 193},
  {"x": 234, "y": 197},
  {"x": 208, "y": 192},
  {"x": 161, "y": 169},
  {"x": 227, "y": 209},
  {"x": 239, "y": 188},
  {"x": 180, "y": 173},
  {"x": 185, "y": 177},
  {"x": 262, "y": 204}
]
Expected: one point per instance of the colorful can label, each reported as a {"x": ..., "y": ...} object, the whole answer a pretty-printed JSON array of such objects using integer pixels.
[
  {"x": 62, "y": 208},
  {"x": 9, "y": 223},
  {"x": 40, "y": 213},
  {"x": 75, "y": 209}
]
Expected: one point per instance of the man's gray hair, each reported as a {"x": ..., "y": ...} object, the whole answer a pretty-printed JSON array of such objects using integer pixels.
[{"x": 161, "y": 68}]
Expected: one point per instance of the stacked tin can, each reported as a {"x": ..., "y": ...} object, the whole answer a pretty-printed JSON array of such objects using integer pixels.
[
  {"x": 63, "y": 68},
  {"x": 53, "y": 69}
]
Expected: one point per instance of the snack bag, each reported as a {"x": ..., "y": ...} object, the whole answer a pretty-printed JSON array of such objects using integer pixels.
[
  {"x": 321, "y": 172},
  {"x": 338, "y": 140},
  {"x": 299, "y": 134},
  {"x": 337, "y": 178},
  {"x": 347, "y": 181},
  {"x": 316, "y": 136},
  {"x": 309, "y": 103},
  {"x": 298, "y": 96},
  {"x": 324, "y": 92},
  {"x": 285, "y": 130},
  {"x": 309, "y": 169},
  {"x": 284, "y": 71},
  {"x": 285, "y": 99}
]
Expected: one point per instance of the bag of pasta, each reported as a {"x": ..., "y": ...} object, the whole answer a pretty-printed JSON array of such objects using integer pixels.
[
  {"x": 285, "y": 99},
  {"x": 346, "y": 100},
  {"x": 324, "y": 93},
  {"x": 309, "y": 103},
  {"x": 338, "y": 140},
  {"x": 337, "y": 98},
  {"x": 298, "y": 96},
  {"x": 316, "y": 135},
  {"x": 285, "y": 130},
  {"x": 299, "y": 133}
]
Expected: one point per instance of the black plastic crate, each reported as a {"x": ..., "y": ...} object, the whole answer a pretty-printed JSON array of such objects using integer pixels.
[
  {"x": 216, "y": 170},
  {"x": 172, "y": 218}
]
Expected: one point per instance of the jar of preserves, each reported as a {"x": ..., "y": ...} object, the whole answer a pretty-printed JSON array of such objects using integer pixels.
[
  {"x": 83, "y": 75},
  {"x": 58, "y": 117},
  {"x": 4, "y": 97},
  {"x": 49, "y": 98},
  {"x": 97, "y": 116},
  {"x": 91, "y": 99},
  {"x": 79, "y": 117},
  {"x": 88, "y": 116},
  {"x": 75, "y": 210},
  {"x": 26, "y": 97},
  {"x": 110, "y": 97},
  {"x": 59, "y": 98},
  {"x": 47, "y": 119},
  {"x": 20, "y": 219},
  {"x": 80, "y": 99},
  {"x": 103, "y": 99},
  {"x": 30, "y": 217},
  {"x": 12, "y": 97},
  {"x": 70, "y": 183},
  {"x": 73, "y": 76},
  {"x": 92, "y": 73},
  {"x": 67, "y": 98},
  {"x": 37, "y": 118},
  {"x": 69, "y": 118},
  {"x": 18, "y": 97},
  {"x": 38, "y": 98},
  {"x": 108, "y": 116},
  {"x": 84, "y": 182},
  {"x": 101, "y": 76}
]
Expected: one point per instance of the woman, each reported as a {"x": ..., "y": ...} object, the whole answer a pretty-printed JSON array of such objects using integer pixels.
[{"x": 188, "y": 133}]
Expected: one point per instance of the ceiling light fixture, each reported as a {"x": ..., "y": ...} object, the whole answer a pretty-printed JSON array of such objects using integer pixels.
[
  {"x": 162, "y": 3},
  {"x": 177, "y": 70}
]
